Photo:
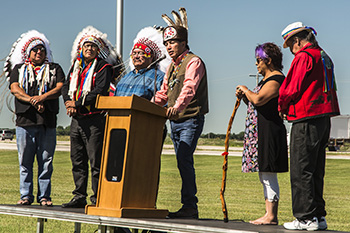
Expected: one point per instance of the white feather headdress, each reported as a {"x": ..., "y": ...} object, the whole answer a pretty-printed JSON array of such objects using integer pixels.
[
  {"x": 91, "y": 34},
  {"x": 20, "y": 49},
  {"x": 106, "y": 52},
  {"x": 155, "y": 35}
]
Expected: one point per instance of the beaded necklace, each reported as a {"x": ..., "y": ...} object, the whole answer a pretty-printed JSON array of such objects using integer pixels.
[{"x": 174, "y": 80}]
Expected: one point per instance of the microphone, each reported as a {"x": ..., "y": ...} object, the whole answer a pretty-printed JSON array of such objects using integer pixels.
[{"x": 156, "y": 61}]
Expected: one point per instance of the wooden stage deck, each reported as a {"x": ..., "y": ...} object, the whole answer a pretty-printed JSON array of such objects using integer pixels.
[{"x": 107, "y": 224}]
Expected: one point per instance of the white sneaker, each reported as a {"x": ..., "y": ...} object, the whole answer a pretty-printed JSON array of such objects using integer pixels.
[
  {"x": 322, "y": 224},
  {"x": 310, "y": 225}
]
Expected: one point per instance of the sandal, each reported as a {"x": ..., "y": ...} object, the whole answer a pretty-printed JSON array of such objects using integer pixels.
[
  {"x": 24, "y": 201},
  {"x": 45, "y": 202}
]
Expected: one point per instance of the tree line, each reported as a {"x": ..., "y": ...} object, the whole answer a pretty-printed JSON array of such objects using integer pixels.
[
  {"x": 239, "y": 136},
  {"x": 64, "y": 131}
]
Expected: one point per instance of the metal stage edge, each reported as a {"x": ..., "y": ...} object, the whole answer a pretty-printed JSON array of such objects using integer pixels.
[{"x": 107, "y": 224}]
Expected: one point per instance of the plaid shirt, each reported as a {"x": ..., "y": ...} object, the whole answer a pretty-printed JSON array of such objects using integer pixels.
[{"x": 140, "y": 84}]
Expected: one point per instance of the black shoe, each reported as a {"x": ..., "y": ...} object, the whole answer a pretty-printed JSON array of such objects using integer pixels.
[
  {"x": 75, "y": 203},
  {"x": 184, "y": 213}
]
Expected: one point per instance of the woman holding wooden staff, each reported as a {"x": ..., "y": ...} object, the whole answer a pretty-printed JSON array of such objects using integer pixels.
[{"x": 265, "y": 141}]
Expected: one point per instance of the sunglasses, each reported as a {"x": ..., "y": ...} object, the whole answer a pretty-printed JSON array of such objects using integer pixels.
[
  {"x": 36, "y": 49},
  {"x": 258, "y": 60}
]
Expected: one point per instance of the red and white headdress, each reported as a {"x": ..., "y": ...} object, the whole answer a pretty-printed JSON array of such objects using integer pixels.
[
  {"x": 149, "y": 47},
  {"x": 150, "y": 38},
  {"x": 21, "y": 49}
]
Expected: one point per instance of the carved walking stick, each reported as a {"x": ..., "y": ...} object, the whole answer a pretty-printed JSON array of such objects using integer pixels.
[{"x": 224, "y": 166}]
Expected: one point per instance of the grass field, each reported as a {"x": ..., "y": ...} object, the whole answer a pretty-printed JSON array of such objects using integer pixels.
[
  {"x": 201, "y": 141},
  {"x": 244, "y": 195}
]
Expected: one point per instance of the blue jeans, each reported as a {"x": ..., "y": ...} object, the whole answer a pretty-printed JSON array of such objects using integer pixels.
[
  {"x": 185, "y": 136},
  {"x": 39, "y": 141}
]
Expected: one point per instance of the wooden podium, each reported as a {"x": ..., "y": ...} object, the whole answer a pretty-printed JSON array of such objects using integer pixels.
[{"x": 130, "y": 164}]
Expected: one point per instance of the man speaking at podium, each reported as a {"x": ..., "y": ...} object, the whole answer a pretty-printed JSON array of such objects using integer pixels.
[
  {"x": 148, "y": 49},
  {"x": 185, "y": 90}
]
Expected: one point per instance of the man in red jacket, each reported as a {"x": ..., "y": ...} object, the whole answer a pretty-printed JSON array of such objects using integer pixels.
[{"x": 308, "y": 99}]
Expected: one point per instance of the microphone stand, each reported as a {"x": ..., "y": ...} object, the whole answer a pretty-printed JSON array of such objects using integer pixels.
[
  {"x": 155, "y": 65},
  {"x": 155, "y": 81}
]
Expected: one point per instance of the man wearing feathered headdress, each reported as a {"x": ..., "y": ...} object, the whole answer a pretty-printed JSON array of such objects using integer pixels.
[
  {"x": 89, "y": 76},
  {"x": 185, "y": 90},
  {"x": 36, "y": 83},
  {"x": 148, "y": 47}
]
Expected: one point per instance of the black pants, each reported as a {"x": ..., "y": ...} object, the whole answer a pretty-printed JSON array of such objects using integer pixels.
[
  {"x": 86, "y": 137},
  {"x": 309, "y": 139}
]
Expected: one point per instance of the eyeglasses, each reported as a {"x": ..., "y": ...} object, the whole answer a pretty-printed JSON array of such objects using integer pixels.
[
  {"x": 92, "y": 46},
  {"x": 140, "y": 54},
  {"x": 37, "y": 49}
]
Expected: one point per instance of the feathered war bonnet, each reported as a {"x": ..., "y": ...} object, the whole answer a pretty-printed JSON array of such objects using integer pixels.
[
  {"x": 150, "y": 38},
  {"x": 106, "y": 50},
  {"x": 177, "y": 29},
  {"x": 91, "y": 34},
  {"x": 21, "y": 49}
]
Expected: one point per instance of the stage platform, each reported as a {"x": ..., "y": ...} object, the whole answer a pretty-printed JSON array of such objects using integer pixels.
[{"x": 107, "y": 224}]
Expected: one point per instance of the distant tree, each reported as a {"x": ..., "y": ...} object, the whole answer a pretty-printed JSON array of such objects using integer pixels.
[
  {"x": 239, "y": 136},
  {"x": 60, "y": 130},
  {"x": 67, "y": 129}
]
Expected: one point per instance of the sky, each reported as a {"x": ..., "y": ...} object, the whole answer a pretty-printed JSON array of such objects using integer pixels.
[{"x": 224, "y": 33}]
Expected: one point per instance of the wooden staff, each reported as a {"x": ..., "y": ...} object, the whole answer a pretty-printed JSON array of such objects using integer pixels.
[{"x": 224, "y": 166}]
